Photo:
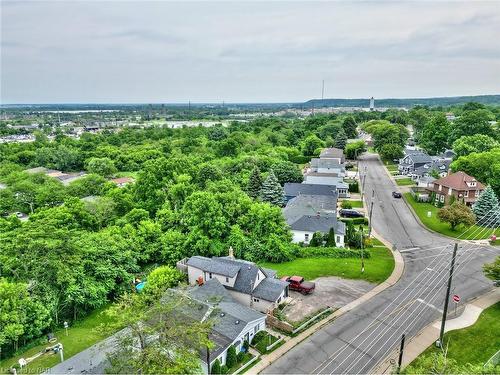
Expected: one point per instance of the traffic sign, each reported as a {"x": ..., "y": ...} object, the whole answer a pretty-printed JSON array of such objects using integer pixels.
[{"x": 456, "y": 298}]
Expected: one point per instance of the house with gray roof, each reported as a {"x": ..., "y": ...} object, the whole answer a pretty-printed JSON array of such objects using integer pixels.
[
  {"x": 304, "y": 228},
  {"x": 309, "y": 205},
  {"x": 333, "y": 154},
  {"x": 327, "y": 166},
  {"x": 249, "y": 284},
  {"x": 233, "y": 322},
  {"x": 294, "y": 189},
  {"x": 412, "y": 160},
  {"x": 315, "y": 178}
]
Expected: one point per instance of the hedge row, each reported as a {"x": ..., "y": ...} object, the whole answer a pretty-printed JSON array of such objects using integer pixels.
[
  {"x": 355, "y": 220},
  {"x": 331, "y": 252}
]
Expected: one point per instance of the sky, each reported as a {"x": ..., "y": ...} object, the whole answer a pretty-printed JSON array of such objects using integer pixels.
[{"x": 174, "y": 52}]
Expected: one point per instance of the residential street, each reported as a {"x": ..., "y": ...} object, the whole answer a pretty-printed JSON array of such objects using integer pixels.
[{"x": 359, "y": 339}]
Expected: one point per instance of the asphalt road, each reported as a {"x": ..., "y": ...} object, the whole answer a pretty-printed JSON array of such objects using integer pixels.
[{"x": 359, "y": 339}]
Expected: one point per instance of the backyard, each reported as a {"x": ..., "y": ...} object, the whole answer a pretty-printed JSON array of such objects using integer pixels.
[
  {"x": 474, "y": 344},
  {"x": 421, "y": 209},
  {"x": 82, "y": 335},
  {"x": 377, "y": 268}
]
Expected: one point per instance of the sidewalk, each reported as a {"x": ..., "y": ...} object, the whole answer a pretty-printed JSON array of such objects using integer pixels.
[
  {"x": 291, "y": 342},
  {"x": 428, "y": 336}
]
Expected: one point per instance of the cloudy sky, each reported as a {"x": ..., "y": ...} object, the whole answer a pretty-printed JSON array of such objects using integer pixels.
[{"x": 138, "y": 51}]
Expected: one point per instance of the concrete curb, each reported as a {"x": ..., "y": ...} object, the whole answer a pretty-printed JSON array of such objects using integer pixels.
[
  {"x": 428, "y": 335},
  {"x": 289, "y": 344}
]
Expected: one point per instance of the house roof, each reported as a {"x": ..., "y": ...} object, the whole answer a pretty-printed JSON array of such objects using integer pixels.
[
  {"x": 309, "y": 205},
  {"x": 269, "y": 289},
  {"x": 326, "y": 163},
  {"x": 458, "y": 181},
  {"x": 210, "y": 265},
  {"x": 318, "y": 223},
  {"x": 293, "y": 189},
  {"x": 245, "y": 272},
  {"x": 319, "y": 174},
  {"x": 440, "y": 165},
  {"x": 420, "y": 157},
  {"x": 324, "y": 179},
  {"x": 332, "y": 152}
]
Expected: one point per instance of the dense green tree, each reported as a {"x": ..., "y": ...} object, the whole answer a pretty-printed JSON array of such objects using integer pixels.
[
  {"x": 470, "y": 123},
  {"x": 390, "y": 152},
  {"x": 340, "y": 139},
  {"x": 101, "y": 166},
  {"x": 487, "y": 209},
  {"x": 312, "y": 145},
  {"x": 316, "y": 240},
  {"x": 466, "y": 145},
  {"x": 254, "y": 183},
  {"x": 349, "y": 126},
  {"x": 161, "y": 279},
  {"x": 286, "y": 171},
  {"x": 330, "y": 238},
  {"x": 271, "y": 190},
  {"x": 216, "y": 367},
  {"x": 435, "y": 135},
  {"x": 231, "y": 358},
  {"x": 455, "y": 214},
  {"x": 354, "y": 149}
]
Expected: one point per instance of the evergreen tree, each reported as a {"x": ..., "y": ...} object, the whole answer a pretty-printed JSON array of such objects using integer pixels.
[
  {"x": 330, "y": 238},
  {"x": 350, "y": 234},
  {"x": 254, "y": 183},
  {"x": 216, "y": 367},
  {"x": 349, "y": 126},
  {"x": 316, "y": 240},
  {"x": 486, "y": 208},
  {"x": 231, "y": 358},
  {"x": 340, "y": 139},
  {"x": 271, "y": 191}
]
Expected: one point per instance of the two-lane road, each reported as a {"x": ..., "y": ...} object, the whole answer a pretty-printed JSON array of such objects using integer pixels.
[{"x": 359, "y": 339}]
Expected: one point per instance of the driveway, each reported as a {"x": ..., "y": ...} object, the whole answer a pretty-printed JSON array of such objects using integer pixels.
[
  {"x": 356, "y": 341},
  {"x": 330, "y": 292}
]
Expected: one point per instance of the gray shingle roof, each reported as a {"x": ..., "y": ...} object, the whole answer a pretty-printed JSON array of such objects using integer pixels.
[
  {"x": 332, "y": 152},
  {"x": 206, "y": 264},
  {"x": 326, "y": 163},
  {"x": 309, "y": 205},
  {"x": 269, "y": 289},
  {"x": 318, "y": 223},
  {"x": 420, "y": 157},
  {"x": 293, "y": 189}
]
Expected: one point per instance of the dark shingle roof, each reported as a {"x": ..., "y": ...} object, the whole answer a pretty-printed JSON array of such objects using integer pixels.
[
  {"x": 420, "y": 157},
  {"x": 293, "y": 189},
  {"x": 318, "y": 223},
  {"x": 309, "y": 205},
  {"x": 208, "y": 265},
  {"x": 269, "y": 289}
]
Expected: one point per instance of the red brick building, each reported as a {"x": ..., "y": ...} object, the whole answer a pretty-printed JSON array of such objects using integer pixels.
[{"x": 460, "y": 185}]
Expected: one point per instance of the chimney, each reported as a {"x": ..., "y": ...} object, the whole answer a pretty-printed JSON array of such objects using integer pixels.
[{"x": 231, "y": 252}]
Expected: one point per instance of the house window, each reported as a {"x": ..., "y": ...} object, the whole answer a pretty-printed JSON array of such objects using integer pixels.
[
  {"x": 466, "y": 194},
  {"x": 227, "y": 279},
  {"x": 257, "y": 276},
  {"x": 440, "y": 187},
  {"x": 441, "y": 198},
  {"x": 210, "y": 275},
  {"x": 256, "y": 328},
  {"x": 279, "y": 299},
  {"x": 256, "y": 300},
  {"x": 338, "y": 238},
  {"x": 306, "y": 237}
]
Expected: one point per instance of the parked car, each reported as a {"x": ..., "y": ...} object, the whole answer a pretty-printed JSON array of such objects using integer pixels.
[
  {"x": 396, "y": 194},
  {"x": 298, "y": 284},
  {"x": 350, "y": 213}
]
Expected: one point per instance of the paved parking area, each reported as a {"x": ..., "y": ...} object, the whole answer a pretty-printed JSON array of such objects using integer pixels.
[{"x": 330, "y": 292}]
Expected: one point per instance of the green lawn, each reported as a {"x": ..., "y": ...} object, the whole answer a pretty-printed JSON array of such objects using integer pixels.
[
  {"x": 392, "y": 167},
  {"x": 355, "y": 204},
  {"x": 82, "y": 335},
  {"x": 421, "y": 209},
  {"x": 475, "y": 344},
  {"x": 406, "y": 181},
  {"x": 377, "y": 268}
]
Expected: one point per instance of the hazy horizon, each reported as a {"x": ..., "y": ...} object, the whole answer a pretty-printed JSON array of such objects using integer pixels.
[{"x": 113, "y": 52}]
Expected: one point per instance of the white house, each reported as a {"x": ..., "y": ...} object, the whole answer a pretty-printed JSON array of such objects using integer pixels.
[
  {"x": 251, "y": 285},
  {"x": 304, "y": 228},
  {"x": 327, "y": 166}
]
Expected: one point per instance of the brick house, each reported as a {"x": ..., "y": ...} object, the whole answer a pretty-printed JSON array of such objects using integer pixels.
[{"x": 459, "y": 185}]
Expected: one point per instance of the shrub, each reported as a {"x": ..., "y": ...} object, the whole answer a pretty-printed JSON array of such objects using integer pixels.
[
  {"x": 216, "y": 369},
  {"x": 259, "y": 336},
  {"x": 346, "y": 205},
  {"x": 317, "y": 239},
  {"x": 355, "y": 220},
  {"x": 240, "y": 357},
  {"x": 330, "y": 252},
  {"x": 354, "y": 187},
  {"x": 224, "y": 369},
  {"x": 231, "y": 358},
  {"x": 246, "y": 344}
]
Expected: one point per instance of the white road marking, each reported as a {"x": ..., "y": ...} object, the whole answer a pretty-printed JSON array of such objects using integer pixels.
[
  {"x": 429, "y": 304},
  {"x": 408, "y": 250}
]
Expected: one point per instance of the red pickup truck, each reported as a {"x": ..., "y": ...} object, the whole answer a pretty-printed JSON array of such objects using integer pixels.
[{"x": 298, "y": 284}]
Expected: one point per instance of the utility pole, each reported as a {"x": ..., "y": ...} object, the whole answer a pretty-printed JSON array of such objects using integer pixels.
[
  {"x": 371, "y": 212},
  {"x": 439, "y": 343},
  {"x": 362, "y": 250},
  {"x": 401, "y": 350}
]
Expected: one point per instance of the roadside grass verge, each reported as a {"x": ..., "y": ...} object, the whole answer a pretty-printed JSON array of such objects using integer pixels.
[
  {"x": 474, "y": 344},
  {"x": 83, "y": 334},
  {"x": 354, "y": 203},
  {"x": 421, "y": 209},
  {"x": 406, "y": 181},
  {"x": 377, "y": 268}
]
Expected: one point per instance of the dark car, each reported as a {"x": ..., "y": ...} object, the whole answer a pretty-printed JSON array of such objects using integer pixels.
[
  {"x": 350, "y": 213},
  {"x": 396, "y": 194}
]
